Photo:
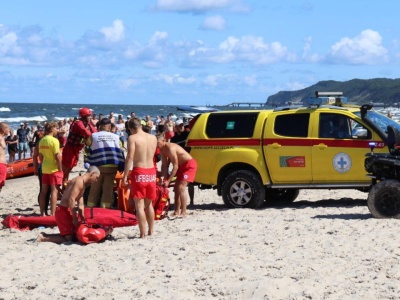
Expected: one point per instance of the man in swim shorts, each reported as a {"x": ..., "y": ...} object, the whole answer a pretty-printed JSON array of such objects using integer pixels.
[
  {"x": 4, "y": 131},
  {"x": 79, "y": 131},
  {"x": 169, "y": 128},
  {"x": 180, "y": 137},
  {"x": 22, "y": 133},
  {"x": 184, "y": 167},
  {"x": 70, "y": 211},
  {"x": 141, "y": 148},
  {"x": 52, "y": 175}
]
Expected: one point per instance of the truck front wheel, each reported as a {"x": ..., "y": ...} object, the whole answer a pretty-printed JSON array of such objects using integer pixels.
[
  {"x": 243, "y": 189},
  {"x": 384, "y": 199}
]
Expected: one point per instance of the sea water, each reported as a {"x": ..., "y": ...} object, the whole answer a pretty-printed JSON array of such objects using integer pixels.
[{"x": 15, "y": 113}]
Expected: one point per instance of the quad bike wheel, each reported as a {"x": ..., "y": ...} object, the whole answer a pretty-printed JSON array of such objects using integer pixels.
[{"x": 384, "y": 199}]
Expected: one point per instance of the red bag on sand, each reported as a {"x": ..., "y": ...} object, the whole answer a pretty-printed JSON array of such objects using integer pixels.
[
  {"x": 88, "y": 234},
  {"x": 161, "y": 204}
]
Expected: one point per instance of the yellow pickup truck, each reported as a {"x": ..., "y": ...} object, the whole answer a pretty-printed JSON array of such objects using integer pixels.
[{"x": 252, "y": 156}]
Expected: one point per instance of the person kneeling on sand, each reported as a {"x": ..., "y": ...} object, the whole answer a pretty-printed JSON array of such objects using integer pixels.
[
  {"x": 184, "y": 167},
  {"x": 71, "y": 208}
]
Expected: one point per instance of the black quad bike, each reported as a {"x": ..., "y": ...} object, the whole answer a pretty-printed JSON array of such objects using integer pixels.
[{"x": 384, "y": 169}]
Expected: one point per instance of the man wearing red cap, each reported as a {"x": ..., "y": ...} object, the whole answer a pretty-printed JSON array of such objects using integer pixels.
[{"x": 79, "y": 131}]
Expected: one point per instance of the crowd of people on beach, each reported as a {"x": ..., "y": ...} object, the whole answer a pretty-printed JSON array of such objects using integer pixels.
[{"x": 56, "y": 147}]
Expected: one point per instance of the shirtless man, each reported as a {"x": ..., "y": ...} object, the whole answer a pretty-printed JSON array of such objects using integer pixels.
[
  {"x": 169, "y": 128},
  {"x": 71, "y": 208},
  {"x": 94, "y": 120},
  {"x": 4, "y": 131},
  {"x": 62, "y": 133},
  {"x": 183, "y": 166},
  {"x": 149, "y": 123},
  {"x": 141, "y": 148}
]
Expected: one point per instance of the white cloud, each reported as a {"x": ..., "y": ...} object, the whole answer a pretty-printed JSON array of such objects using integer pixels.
[
  {"x": 176, "y": 79},
  {"x": 212, "y": 80},
  {"x": 365, "y": 48},
  {"x": 115, "y": 33},
  {"x": 200, "y": 6},
  {"x": 248, "y": 49},
  {"x": 228, "y": 79},
  {"x": 307, "y": 56},
  {"x": 7, "y": 41},
  {"x": 151, "y": 55},
  {"x": 214, "y": 23},
  {"x": 128, "y": 83},
  {"x": 294, "y": 85},
  {"x": 250, "y": 80},
  {"x": 253, "y": 49},
  {"x": 158, "y": 37}
]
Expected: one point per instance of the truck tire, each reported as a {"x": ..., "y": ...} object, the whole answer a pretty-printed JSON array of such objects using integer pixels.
[
  {"x": 384, "y": 199},
  {"x": 281, "y": 196},
  {"x": 243, "y": 189}
]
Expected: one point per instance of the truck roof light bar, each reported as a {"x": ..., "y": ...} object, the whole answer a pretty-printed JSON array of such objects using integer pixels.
[{"x": 328, "y": 94}]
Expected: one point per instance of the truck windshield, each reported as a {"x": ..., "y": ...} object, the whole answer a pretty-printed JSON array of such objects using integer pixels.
[{"x": 380, "y": 120}]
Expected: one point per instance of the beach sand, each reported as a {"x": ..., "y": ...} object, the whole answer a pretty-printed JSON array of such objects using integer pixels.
[{"x": 325, "y": 245}]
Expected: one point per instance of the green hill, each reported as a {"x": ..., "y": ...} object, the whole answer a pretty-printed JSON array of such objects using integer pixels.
[{"x": 378, "y": 90}]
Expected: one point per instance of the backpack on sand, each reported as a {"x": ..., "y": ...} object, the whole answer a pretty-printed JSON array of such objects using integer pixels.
[
  {"x": 162, "y": 203},
  {"x": 95, "y": 233}
]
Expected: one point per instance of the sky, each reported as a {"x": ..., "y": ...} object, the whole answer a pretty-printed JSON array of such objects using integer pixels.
[{"x": 190, "y": 52}]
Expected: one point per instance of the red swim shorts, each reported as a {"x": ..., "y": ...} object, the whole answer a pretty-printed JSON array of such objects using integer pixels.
[
  {"x": 143, "y": 183},
  {"x": 62, "y": 140},
  {"x": 3, "y": 174},
  {"x": 70, "y": 156},
  {"x": 55, "y": 178},
  {"x": 187, "y": 171},
  {"x": 64, "y": 221},
  {"x": 168, "y": 135}
]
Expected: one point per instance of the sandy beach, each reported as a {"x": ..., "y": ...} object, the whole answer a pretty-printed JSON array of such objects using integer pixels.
[{"x": 325, "y": 245}]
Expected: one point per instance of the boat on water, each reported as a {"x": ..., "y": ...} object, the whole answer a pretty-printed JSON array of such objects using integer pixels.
[{"x": 196, "y": 109}]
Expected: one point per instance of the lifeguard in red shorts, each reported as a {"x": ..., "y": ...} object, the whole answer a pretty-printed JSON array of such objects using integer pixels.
[
  {"x": 4, "y": 131},
  {"x": 79, "y": 131},
  {"x": 184, "y": 167},
  {"x": 141, "y": 148}
]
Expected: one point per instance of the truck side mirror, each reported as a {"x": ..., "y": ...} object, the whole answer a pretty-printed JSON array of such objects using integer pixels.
[{"x": 360, "y": 133}]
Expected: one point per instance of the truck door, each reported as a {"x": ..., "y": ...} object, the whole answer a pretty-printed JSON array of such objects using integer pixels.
[
  {"x": 287, "y": 147},
  {"x": 338, "y": 149}
]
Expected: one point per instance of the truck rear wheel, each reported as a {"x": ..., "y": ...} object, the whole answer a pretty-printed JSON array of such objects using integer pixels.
[
  {"x": 384, "y": 199},
  {"x": 243, "y": 189},
  {"x": 281, "y": 196}
]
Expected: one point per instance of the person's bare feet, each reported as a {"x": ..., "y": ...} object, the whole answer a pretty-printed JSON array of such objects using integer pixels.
[
  {"x": 39, "y": 238},
  {"x": 109, "y": 231}
]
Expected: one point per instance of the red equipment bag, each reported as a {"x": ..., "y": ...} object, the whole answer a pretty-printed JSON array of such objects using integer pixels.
[
  {"x": 162, "y": 203},
  {"x": 95, "y": 233}
]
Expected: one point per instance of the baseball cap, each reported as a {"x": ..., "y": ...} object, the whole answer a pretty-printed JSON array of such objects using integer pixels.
[
  {"x": 21, "y": 124},
  {"x": 179, "y": 122}
]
